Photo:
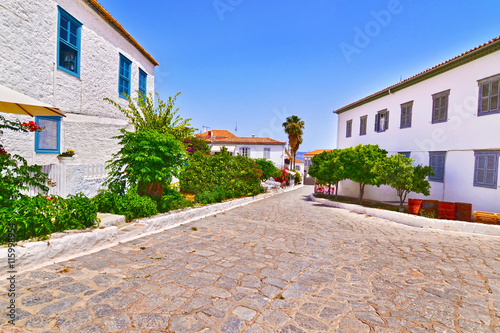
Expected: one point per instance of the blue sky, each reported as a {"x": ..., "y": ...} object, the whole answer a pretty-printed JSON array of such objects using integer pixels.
[{"x": 255, "y": 62}]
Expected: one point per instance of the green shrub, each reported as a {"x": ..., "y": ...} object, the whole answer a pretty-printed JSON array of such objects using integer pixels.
[
  {"x": 131, "y": 204},
  {"x": 38, "y": 217},
  {"x": 232, "y": 176},
  {"x": 171, "y": 200},
  {"x": 297, "y": 177},
  {"x": 268, "y": 168}
]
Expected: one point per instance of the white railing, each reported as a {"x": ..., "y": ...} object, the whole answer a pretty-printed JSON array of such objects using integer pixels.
[
  {"x": 93, "y": 171},
  {"x": 57, "y": 175}
]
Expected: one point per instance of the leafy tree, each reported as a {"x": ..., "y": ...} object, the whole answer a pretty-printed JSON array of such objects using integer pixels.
[
  {"x": 358, "y": 165},
  {"x": 398, "y": 172},
  {"x": 147, "y": 159},
  {"x": 194, "y": 144},
  {"x": 268, "y": 168},
  {"x": 294, "y": 127},
  {"x": 328, "y": 168},
  {"x": 163, "y": 119}
]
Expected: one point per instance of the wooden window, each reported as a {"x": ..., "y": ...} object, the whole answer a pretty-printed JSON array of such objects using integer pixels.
[
  {"x": 488, "y": 96},
  {"x": 437, "y": 161},
  {"x": 267, "y": 153},
  {"x": 486, "y": 169},
  {"x": 124, "y": 77},
  {"x": 68, "y": 46},
  {"x": 440, "y": 107},
  {"x": 406, "y": 111},
  {"x": 382, "y": 121},
  {"x": 348, "y": 128},
  {"x": 362, "y": 125}
]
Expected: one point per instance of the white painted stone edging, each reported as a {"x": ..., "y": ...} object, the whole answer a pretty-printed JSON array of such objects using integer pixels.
[
  {"x": 414, "y": 220},
  {"x": 32, "y": 255}
]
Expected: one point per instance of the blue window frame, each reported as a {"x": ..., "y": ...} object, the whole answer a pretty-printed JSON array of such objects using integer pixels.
[
  {"x": 489, "y": 92},
  {"x": 437, "y": 161},
  {"x": 68, "y": 45},
  {"x": 48, "y": 141},
  {"x": 406, "y": 111},
  {"x": 486, "y": 168},
  {"x": 440, "y": 107},
  {"x": 348, "y": 128},
  {"x": 405, "y": 153},
  {"x": 362, "y": 125},
  {"x": 382, "y": 121},
  {"x": 143, "y": 77},
  {"x": 124, "y": 77}
]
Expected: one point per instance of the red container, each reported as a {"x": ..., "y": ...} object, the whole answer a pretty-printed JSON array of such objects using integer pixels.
[
  {"x": 464, "y": 211},
  {"x": 414, "y": 206},
  {"x": 447, "y": 210}
]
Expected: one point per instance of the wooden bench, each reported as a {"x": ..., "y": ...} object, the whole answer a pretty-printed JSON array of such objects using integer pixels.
[{"x": 484, "y": 217}]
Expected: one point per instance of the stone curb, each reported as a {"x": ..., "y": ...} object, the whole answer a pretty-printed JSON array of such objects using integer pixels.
[
  {"x": 413, "y": 220},
  {"x": 66, "y": 246}
]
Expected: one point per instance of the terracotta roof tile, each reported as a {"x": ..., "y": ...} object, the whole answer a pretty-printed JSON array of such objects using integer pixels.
[
  {"x": 216, "y": 133},
  {"x": 315, "y": 152},
  {"x": 421, "y": 76},
  {"x": 248, "y": 140}
]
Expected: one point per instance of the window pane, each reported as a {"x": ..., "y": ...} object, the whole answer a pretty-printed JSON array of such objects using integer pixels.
[
  {"x": 63, "y": 34},
  {"x": 64, "y": 23},
  {"x": 494, "y": 103},
  {"x": 72, "y": 28},
  {"x": 480, "y": 176},
  {"x": 490, "y": 177},
  {"x": 486, "y": 90},
  {"x": 484, "y": 104},
  {"x": 47, "y": 139},
  {"x": 72, "y": 39}
]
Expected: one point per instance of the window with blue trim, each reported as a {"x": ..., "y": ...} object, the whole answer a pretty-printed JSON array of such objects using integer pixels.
[
  {"x": 486, "y": 168},
  {"x": 406, "y": 111},
  {"x": 489, "y": 92},
  {"x": 348, "y": 128},
  {"x": 440, "y": 107},
  {"x": 124, "y": 77},
  {"x": 68, "y": 46},
  {"x": 437, "y": 161},
  {"x": 143, "y": 77},
  {"x": 49, "y": 139}
]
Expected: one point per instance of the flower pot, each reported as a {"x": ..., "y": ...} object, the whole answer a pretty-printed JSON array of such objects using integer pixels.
[
  {"x": 447, "y": 210},
  {"x": 414, "y": 206},
  {"x": 65, "y": 159},
  {"x": 463, "y": 211},
  {"x": 150, "y": 189},
  {"x": 429, "y": 208}
]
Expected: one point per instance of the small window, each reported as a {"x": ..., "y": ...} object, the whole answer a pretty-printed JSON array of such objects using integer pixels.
[
  {"x": 405, "y": 153},
  {"x": 488, "y": 96},
  {"x": 440, "y": 107},
  {"x": 348, "y": 128},
  {"x": 437, "y": 161},
  {"x": 267, "y": 153},
  {"x": 297, "y": 168},
  {"x": 48, "y": 140},
  {"x": 244, "y": 151},
  {"x": 382, "y": 121},
  {"x": 68, "y": 45},
  {"x": 486, "y": 169},
  {"x": 124, "y": 77},
  {"x": 142, "y": 81},
  {"x": 406, "y": 110},
  {"x": 362, "y": 125}
]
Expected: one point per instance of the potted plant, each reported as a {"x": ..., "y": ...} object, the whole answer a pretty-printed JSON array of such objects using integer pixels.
[{"x": 66, "y": 156}]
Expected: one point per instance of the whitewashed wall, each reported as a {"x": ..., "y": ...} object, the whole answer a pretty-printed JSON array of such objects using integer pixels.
[
  {"x": 463, "y": 133},
  {"x": 28, "y": 64},
  {"x": 257, "y": 151}
]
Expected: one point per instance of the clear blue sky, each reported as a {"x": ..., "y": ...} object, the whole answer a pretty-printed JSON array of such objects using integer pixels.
[{"x": 255, "y": 61}]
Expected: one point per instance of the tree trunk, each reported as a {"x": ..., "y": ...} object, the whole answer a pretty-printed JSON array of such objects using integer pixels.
[
  {"x": 150, "y": 189},
  {"x": 361, "y": 192},
  {"x": 336, "y": 190},
  {"x": 329, "y": 190}
]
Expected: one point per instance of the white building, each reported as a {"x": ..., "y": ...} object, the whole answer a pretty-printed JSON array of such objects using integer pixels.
[
  {"x": 70, "y": 54},
  {"x": 253, "y": 147},
  {"x": 448, "y": 117}
]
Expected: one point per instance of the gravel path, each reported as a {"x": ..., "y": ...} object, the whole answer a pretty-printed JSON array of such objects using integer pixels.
[{"x": 283, "y": 264}]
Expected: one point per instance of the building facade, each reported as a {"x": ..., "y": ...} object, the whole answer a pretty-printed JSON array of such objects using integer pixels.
[
  {"x": 253, "y": 147},
  {"x": 448, "y": 117},
  {"x": 71, "y": 54}
]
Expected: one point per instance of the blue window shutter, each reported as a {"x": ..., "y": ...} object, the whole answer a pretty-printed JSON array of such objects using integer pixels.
[
  {"x": 386, "y": 120},
  {"x": 377, "y": 119}
]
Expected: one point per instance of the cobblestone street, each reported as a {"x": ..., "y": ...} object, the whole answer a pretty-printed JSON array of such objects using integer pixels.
[{"x": 284, "y": 264}]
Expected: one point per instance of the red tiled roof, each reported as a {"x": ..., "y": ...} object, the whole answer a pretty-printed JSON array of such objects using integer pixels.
[
  {"x": 316, "y": 152},
  {"x": 479, "y": 51},
  {"x": 217, "y": 134},
  {"x": 247, "y": 140},
  {"x": 114, "y": 23}
]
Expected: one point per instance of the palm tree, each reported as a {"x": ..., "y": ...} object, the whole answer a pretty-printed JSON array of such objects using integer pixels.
[{"x": 294, "y": 128}]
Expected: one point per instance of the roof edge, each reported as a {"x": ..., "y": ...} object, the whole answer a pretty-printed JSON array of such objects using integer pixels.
[
  {"x": 99, "y": 9},
  {"x": 466, "y": 57}
]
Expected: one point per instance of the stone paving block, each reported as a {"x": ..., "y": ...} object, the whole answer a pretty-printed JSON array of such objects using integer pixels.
[
  {"x": 150, "y": 320},
  {"x": 244, "y": 313},
  {"x": 275, "y": 318},
  {"x": 185, "y": 323},
  {"x": 232, "y": 325},
  {"x": 71, "y": 321},
  {"x": 117, "y": 322},
  {"x": 58, "y": 306},
  {"x": 37, "y": 321}
]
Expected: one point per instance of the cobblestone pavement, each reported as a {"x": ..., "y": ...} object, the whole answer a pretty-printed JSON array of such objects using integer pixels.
[{"x": 284, "y": 264}]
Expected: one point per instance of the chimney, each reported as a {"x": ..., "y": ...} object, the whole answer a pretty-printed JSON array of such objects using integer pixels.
[
  {"x": 253, "y": 135},
  {"x": 209, "y": 133}
]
